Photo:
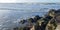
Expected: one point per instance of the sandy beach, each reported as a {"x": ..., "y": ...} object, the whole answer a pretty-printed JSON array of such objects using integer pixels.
[{"x": 58, "y": 27}]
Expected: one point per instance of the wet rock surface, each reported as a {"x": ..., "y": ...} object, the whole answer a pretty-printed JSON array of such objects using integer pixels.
[{"x": 48, "y": 22}]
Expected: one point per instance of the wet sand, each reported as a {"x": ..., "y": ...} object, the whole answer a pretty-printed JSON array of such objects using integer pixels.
[{"x": 58, "y": 27}]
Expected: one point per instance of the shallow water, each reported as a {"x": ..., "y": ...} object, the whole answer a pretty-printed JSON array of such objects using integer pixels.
[{"x": 11, "y": 14}]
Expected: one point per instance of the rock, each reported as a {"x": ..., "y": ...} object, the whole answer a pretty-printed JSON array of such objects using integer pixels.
[{"x": 42, "y": 23}]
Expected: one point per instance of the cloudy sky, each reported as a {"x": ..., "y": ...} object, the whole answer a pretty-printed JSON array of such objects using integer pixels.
[{"x": 22, "y": 1}]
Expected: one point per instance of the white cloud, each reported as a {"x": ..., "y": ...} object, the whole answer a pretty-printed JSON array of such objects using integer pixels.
[
  {"x": 41, "y": 1},
  {"x": 22, "y": 1},
  {"x": 7, "y": 1}
]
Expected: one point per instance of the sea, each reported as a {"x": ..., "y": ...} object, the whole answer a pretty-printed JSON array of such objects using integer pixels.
[{"x": 12, "y": 13}]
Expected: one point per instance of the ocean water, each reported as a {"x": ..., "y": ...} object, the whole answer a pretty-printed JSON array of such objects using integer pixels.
[{"x": 12, "y": 13}]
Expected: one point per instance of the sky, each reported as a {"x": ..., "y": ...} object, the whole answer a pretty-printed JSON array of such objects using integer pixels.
[{"x": 29, "y": 1}]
